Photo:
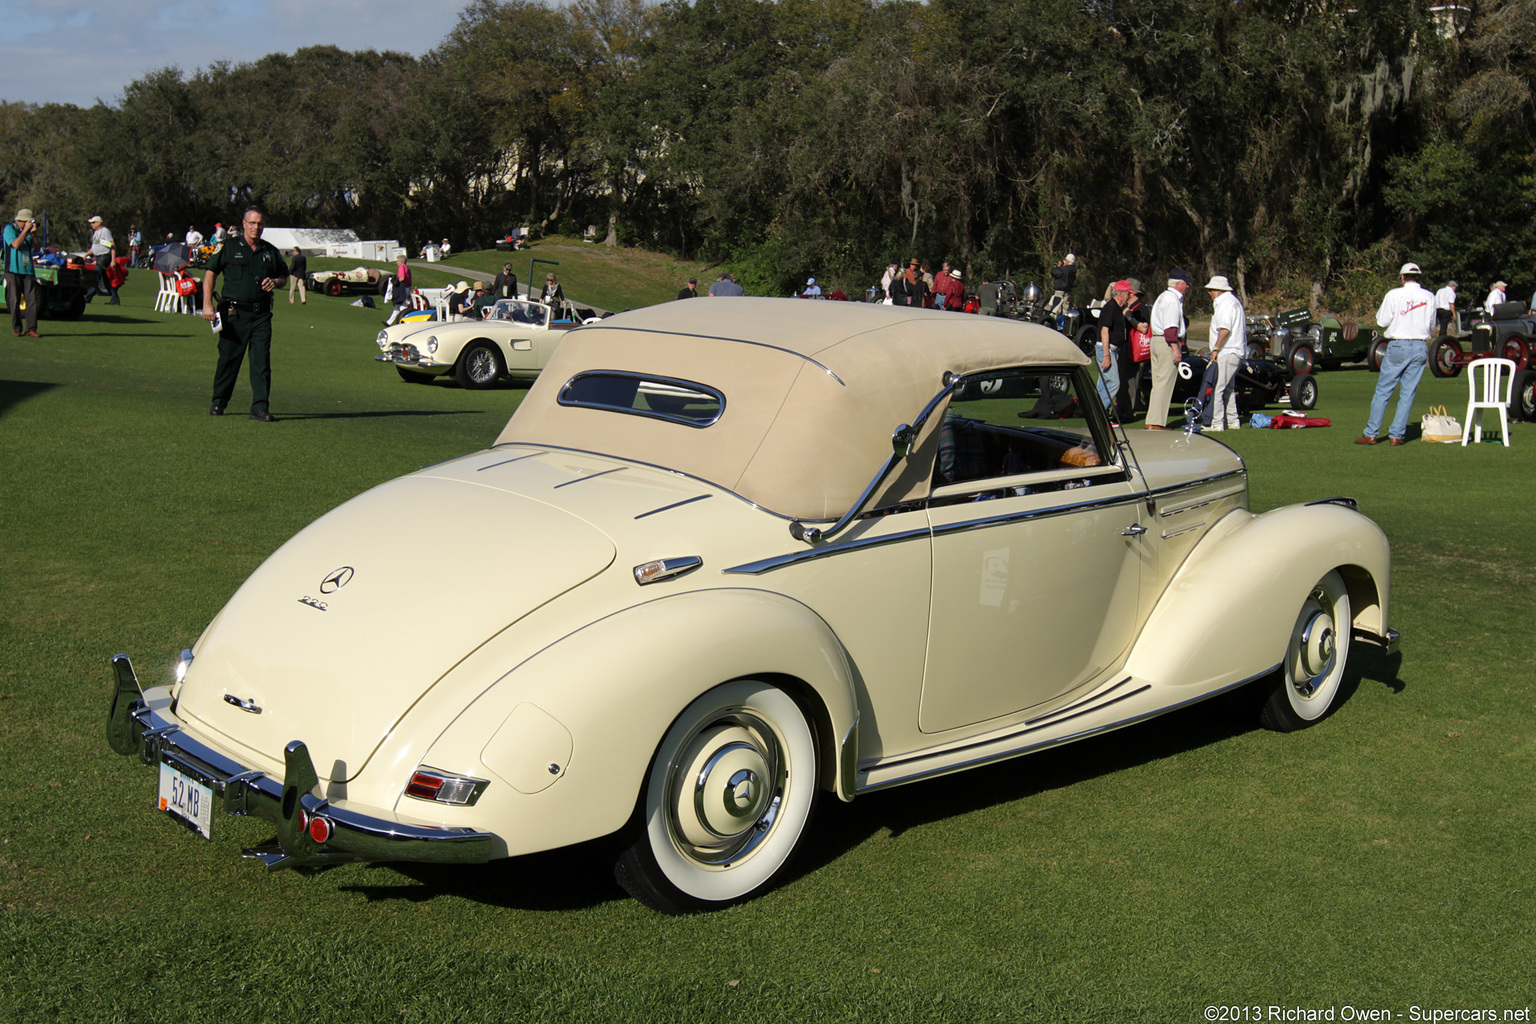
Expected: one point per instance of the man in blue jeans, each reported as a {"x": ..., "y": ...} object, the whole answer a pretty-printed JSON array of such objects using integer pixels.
[{"x": 1407, "y": 316}]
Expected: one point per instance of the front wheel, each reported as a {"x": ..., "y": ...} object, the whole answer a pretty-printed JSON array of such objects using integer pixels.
[
  {"x": 727, "y": 798},
  {"x": 1314, "y": 659},
  {"x": 413, "y": 376},
  {"x": 333, "y": 287},
  {"x": 479, "y": 366},
  {"x": 1303, "y": 392},
  {"x": 1445, "y": 358}
]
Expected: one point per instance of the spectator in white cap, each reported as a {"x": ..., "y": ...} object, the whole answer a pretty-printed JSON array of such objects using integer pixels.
[
  {"x": 1406, "y": 316},
  {"x": 812, "y": 289},
  {"x": 101, "y": 251},
  {"x": 1063, "y": 277},
  {"x": 1229, "y": 338},
  {"x": 1496, "y": 295}
]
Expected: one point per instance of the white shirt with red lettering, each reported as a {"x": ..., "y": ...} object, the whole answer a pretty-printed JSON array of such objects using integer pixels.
[{"x": 1407, "y": 313}]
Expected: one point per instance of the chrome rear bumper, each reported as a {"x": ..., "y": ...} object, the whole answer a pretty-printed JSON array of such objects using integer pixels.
[{"x": 139, "y": 724}]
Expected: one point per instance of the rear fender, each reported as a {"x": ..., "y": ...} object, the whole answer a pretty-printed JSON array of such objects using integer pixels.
[
  {"x": 1227, "y": 614},
  {"x": 571, "y": 731}
]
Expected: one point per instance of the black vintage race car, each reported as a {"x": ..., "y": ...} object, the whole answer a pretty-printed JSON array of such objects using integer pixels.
[{"x": 1260, "y": 382}]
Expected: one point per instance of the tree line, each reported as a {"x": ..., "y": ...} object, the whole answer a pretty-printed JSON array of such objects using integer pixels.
[{"x": 1304, "y": 148}]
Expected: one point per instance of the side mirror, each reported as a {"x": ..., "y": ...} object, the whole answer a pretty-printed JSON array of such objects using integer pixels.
[{"x": 903, "y": 438}]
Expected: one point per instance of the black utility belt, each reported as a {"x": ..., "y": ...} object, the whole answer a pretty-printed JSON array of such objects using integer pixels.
[{"x": 235, "y": 305}]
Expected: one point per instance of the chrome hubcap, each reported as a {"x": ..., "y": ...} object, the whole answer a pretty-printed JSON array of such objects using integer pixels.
[
  {"x": 725, "y": 790},
  {"x": 1316, "y": 649}
]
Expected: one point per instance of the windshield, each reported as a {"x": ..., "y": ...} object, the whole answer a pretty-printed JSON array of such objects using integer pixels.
[{"x": 517, "y": 311}]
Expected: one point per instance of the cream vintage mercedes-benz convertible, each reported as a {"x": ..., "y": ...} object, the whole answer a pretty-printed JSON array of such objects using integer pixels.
[{"x": 756, "y": 551}]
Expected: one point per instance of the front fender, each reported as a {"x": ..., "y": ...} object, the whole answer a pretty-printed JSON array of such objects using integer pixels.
[
  {"x": 573, "y": 728},
  {"x": 1227, "y": 614}
]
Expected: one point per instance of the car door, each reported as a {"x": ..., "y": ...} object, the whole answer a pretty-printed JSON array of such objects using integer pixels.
[{"x": 1036, "y": 521}]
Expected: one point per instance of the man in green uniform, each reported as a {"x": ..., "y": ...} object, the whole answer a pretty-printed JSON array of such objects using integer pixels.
[{"x": 252, "y": 270}]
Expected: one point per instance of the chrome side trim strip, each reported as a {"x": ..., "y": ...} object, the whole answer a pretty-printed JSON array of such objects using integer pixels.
[
  {"x": 769, "y": 564},
  {"x": 1041, "y": 513},
  {"x": 675, "y": 504},
  {"x": 1187, "y": 484},
  {"x": 1032, "y": 747},
  {"x": 1349, "y": 503},
  {"x": 1167, "y": 534},
  {"x": 1190, "y": 506}
]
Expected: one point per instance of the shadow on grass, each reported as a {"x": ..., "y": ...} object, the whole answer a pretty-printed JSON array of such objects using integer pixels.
[
  {"x": 379, "y": 414},
  {"x": 573, "y": 878},
  {"x": 580, "y": 877},
  {"x": 14, "y": 392}
]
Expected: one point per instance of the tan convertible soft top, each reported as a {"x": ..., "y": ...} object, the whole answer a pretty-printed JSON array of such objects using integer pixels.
[{"x": 813, "y": 389}]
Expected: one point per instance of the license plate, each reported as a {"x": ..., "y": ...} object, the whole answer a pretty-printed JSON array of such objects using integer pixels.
[{"x": 187, "y": 799}]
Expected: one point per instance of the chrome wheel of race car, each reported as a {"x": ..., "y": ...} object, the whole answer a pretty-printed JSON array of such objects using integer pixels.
[
  {"x": 726, "y": 801},
  {"x": 1314, "y": 659},
  {"x": 1445, "y": 358},
  {"x": 1301, "y": 360},
  {"x": 1377, "y": 354},
  {"x": 479, "y": 366},
  {"x": 1515, "y": 349},
  {"x": 1303, "y": 392}
]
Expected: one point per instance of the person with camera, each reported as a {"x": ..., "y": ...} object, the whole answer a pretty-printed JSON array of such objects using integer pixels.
[
  {"x": 20, "y": 280},
  {"x": 253, "y": 269}
]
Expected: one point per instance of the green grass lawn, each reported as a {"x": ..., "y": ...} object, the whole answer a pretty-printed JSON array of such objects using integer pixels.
[{"x": 1383, "y": 859}]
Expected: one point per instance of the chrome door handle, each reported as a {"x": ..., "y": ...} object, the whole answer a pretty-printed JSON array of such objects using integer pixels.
[{"x": 1134, "y": 530}]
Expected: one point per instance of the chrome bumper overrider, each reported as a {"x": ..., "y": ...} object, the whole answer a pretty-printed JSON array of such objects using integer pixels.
[{"x": 135, "y": 725}]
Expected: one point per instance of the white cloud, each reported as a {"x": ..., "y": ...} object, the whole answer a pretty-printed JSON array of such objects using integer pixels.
[{"x": 79, "y": 51}]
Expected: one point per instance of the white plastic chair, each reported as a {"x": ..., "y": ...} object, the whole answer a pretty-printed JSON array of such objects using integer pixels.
[
  {"x": 1498, "y": 375},
  {"x": 166, "y": 299}
]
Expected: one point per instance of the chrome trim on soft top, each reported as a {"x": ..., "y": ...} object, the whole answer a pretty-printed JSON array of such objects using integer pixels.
[{"x": 716, "y": 337}]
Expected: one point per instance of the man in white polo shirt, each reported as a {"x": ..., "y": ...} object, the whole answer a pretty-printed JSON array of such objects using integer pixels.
[
  {"x": 1229, "y": 339},
  {"x": 1168, "y": 328},
  {"x": 1407, "y": 315},
  {"x": 1445, "y": 306}
]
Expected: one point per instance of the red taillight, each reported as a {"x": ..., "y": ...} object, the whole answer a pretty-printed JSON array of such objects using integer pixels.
[
  {"x": 424, "y": 786},
  {"x": 319, "y": 829}
]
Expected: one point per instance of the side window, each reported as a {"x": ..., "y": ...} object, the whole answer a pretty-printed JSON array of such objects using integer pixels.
[{"x": 1019, "y": 423}]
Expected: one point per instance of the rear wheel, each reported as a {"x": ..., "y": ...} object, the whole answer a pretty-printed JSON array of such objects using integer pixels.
[
  {"x": 1522, "y": 404},
  {"x": 1516, "y": 349},
  {"x": 1377, "y": 354},
  {"x": 726, "y": 800},
  {"x": 1086, "y": 338},
  {"x": 1301, "y": 360},
  {"x": 479, "y": 366},
  {"x": 1445, "y": 358},
  {"x": 1303, "y": 392},
  {"x": 1314, "y": 659}
]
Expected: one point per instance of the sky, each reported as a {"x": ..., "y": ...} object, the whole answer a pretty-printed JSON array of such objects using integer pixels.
[{"x": 82, "y": 51}]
